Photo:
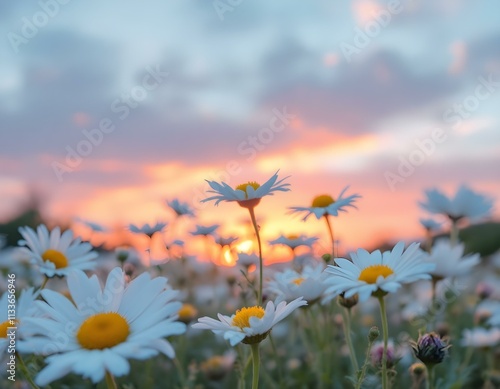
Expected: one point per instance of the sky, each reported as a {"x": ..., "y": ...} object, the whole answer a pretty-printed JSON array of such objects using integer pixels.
[{"x": 109, "y": 108}]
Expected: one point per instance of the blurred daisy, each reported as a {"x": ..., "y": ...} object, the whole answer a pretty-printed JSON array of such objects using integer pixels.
[
  {"x": 216, "y": 367},
  {"x": 494, "y": 312},
  {"x": 3, "y": 241},
  {"x": 225, "y": 241},
  {"x": 294, "y": 241},
  {"x": 377, "y": 352},
  {"x": 56, "y": 254},
  {"x": 147, "y": 229},
  {"x": 481, "y": 337},
  {"x": 449, "y": 260},
  {"x": 247, "y": 194},
  {"x": 465, "y": 204},
  {"x": 95, "y": 332},
  {"x": 247, "y": 260},
  {"x": 249, "y": 325},
  {"x": 180, "y": 208},
  {"x": 430, "y": 224},
  {"x": 310, "y": 284},
  {"x": 204, "y": 230},
  {"x": 24, "y": 309},
  {"x": 93, "y": 226},
  {"x": 325, "y": 204},
  {"x": 377, "y": 272}
]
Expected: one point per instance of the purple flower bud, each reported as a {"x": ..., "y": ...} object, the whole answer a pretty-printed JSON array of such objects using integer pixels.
[{"x": 430, "y": 348}]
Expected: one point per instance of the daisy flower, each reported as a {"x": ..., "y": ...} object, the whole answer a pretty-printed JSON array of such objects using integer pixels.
[
  {"x": 24, "y": 308},
  {"x": 310, "y": 284},
  {"x": 147, "y": 229},
  {"x": 249, "y": 325},
  {"x": 378, "y": 273},
  {"x": 93, "y": 226},
  {"x": 99, "y": 329},
  {"x": 247, "y": 260},
  {"x": 294, "y": 241},
  {"x": 56, "y": 254},
  {"x": 247, "y": 194},
  {"x": 204, "y": 230},
  {"x": 430, "y": 224},
  {"x": 325, "y": 204},
  {"x": 180, "y": 208},
  {"x": 450, "y": 260},
  {"x": 481, "y": 337},
  {"x": 225, "y": 241},
  {"x": 465, "y": 204},
  {"x": 491, "y": 310}
]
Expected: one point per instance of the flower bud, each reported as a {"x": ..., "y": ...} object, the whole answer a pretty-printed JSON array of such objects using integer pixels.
[
  {"x": 347, "y": 302},
  {"x": 430, "y": 348},
  {"x": 377, "y": 352},
  {"x": 215, "y": 368},
  {"x": 122, "y": 254},
  {"x": 327, "y": 258},
  {"x": 373, "y": 334},
  {"x": 187, "y": 313},
  {"x": 418, "y": 374},
  {"x": 484, "y": 290},
  {"x": 418, "y": 370}
]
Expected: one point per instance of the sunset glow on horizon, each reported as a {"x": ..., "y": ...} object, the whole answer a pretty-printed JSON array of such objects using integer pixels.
[{"x": 109, "y": 132}]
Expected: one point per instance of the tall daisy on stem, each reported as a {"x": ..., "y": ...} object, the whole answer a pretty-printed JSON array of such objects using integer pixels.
[
  {"x": 377, "y": 274},
  {"x": 324, "y": 206},
  {"x": 250, "y": 325},
  {"x": 466, "y": 204},
  {"x": 248, "y": 195}
]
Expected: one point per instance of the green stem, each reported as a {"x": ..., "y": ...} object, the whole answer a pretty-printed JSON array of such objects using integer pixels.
[
  {"x": 256, "y": 365},
  {"x": 275, "y": 351},
  {"x": 182, "y": 376},
  {"x": 43, "y": 284},
  {"x": 261, "y": 270},
  {"x": 347, "y": 333},
  {"x": 454, "y": 233},
  {"x": 361, "y": 377},
  {"x": 330, "y": 231},
  {"x": 110, "y": 381},
  {"x": 430, "y": 379},
  {"x": 26, "y": 372},
  {"x": 385, "y": 330}
]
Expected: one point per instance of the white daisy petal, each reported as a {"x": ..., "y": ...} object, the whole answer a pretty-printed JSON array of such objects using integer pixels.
[{"x": 102, "y": 331}]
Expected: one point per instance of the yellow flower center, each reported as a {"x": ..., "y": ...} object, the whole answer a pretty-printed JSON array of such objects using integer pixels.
[
  {"x": 292, "y": 237},
  {"x": 3, "y": 328},
  {"x": 243, "y": 187},
  {"x": 322, "y": 201},
  {"x": 103, "y": 330},
  {"x": 298, "y": 281},
  {"x": 243, "y": 315},
  {"x": 187, "y": 313},
  {"x": 371, "y": 273},
  {"x": 56, "y": 257}
]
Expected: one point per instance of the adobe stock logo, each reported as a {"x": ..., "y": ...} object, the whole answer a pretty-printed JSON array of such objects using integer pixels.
[
  {"x": 30, "y": 28},
  {"x": 371, "y": 30},
  {"x": 424, "y": 148}
]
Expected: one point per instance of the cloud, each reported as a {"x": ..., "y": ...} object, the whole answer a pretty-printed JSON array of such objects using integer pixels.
[{"x": 357, "y": 96}]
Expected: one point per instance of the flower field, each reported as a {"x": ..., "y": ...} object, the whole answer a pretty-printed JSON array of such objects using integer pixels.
[{"x": 422, "y": 314}]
